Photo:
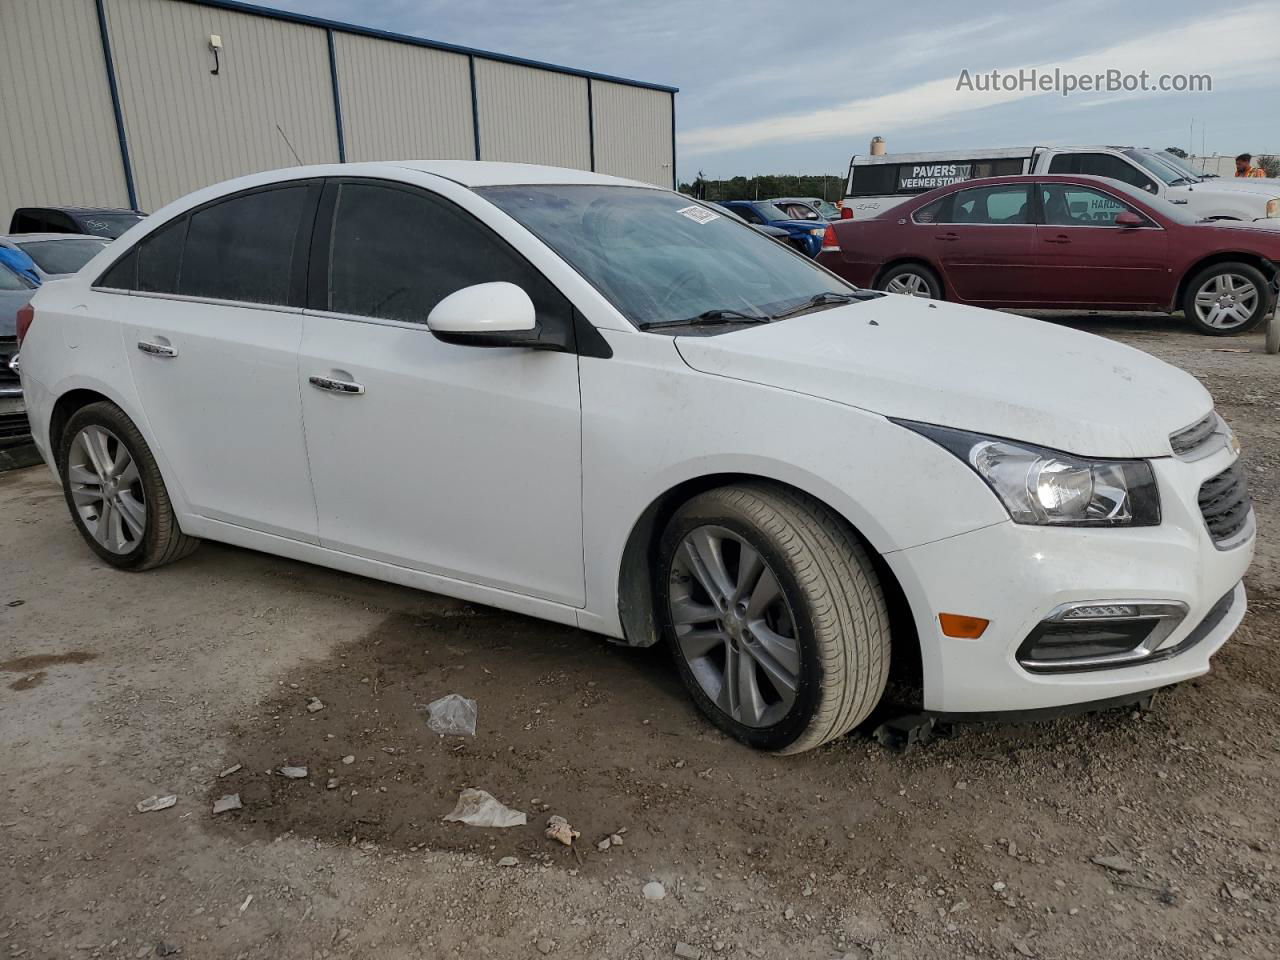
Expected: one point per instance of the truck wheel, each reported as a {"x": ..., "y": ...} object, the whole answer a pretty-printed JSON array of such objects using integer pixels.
[
  {"x": 115, "y": 493},
  {"x": 1226, "y": 298},
  {"x": 775, "y": 616},
  {"x": 912, "y": 280}
]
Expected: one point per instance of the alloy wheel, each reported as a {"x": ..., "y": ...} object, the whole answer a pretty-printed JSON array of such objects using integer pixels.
[
  {"x": 1226, "y": 301},
  {"x": 909, "y": 284},
  {"x": 734, "y": 626},
  {"x": 106, "y": 489}
]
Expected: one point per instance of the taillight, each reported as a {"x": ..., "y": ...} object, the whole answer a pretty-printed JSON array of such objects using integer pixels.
[
  {"x": 830, "y": 242},
  {"x": 846, "y": 213},
  {"x": 26, "y": 313}
]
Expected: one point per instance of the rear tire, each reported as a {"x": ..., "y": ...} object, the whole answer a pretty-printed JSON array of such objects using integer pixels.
[
  {"x": 912, "y": 280},
  {"x": 826, "y": 628},
  {"x": 1226, "y": 298},
  {"x": 115, "y": 493}
]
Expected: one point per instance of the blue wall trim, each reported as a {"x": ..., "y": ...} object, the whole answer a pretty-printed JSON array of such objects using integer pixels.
[
  {"x": 675, "y": 179},
  {"x": 337, "y": 99},
  {"x": 475, "y": 105},
  {"x": 115, "y": 106},
  {"x": 591, "y": 126},
  {"x": 303, "y": 18}
]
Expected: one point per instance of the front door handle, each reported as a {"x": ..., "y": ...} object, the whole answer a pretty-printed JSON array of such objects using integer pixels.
[
  {"x": 157, "y": 349},
  {"x": 1057, "y": 239},
  {"x": 348, "y": 387},
  {"x": 946, "y": 236}
]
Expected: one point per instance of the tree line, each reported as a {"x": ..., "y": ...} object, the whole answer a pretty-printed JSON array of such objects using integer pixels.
[{"x": 766, "y": 186}]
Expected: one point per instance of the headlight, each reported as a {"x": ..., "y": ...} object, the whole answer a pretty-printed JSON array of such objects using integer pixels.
[
  {"x": 1273, "y": 207},
  {"x": 1051, "y": 488}
]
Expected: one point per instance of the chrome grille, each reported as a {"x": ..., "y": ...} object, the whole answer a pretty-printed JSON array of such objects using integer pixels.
[
  {"x": 1225, "y": 504},
  {"x": 1190, "y": 439}
]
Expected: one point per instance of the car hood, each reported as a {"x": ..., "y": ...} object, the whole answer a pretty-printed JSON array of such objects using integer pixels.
[
  {"x": 972, "y": 369},
  {"x": 1269, "y": 188}
]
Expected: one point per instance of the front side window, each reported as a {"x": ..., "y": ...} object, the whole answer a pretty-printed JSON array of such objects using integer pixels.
[
  {"x": 62, "y": 256},
  {"x": 242, "y": 248},
  {"x": 1102, "y": 165},
  {"x": 396, "y": 252},
  {"x": 658, "y": 256},
  {"x": 990, "y": 205},
  {"x": 1066, "y": 205}
]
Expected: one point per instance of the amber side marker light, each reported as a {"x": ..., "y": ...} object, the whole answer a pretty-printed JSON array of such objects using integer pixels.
[{"x": 962, "y": 627}]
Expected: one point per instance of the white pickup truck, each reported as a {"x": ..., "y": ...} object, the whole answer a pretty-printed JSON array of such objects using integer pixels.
[{"x": 877, "y": 183}]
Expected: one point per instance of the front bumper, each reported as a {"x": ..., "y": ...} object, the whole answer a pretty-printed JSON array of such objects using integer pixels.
[{"x": 1015, "y": 576}]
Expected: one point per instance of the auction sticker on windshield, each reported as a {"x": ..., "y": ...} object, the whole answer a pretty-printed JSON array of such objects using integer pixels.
[{"x": 698, "y": 214}]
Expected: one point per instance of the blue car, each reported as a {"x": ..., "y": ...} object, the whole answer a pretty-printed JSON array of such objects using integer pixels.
[{"x": 805, "y": 235}]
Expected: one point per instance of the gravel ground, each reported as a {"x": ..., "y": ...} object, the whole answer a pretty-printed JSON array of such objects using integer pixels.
[{"x": 115, "y": 688}]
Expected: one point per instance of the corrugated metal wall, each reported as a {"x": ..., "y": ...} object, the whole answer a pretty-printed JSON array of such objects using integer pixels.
[
  {"x": 401, "y": 102},
  {"x": 532, "y": 116},
  {"x": 632, "y": 132},
  {"x": 58, "y": 141},
  {"x": 188, "y": 128}
]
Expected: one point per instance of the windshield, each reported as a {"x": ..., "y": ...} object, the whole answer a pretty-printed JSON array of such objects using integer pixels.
[
  {"x": 109, "y": 225},
  {"x": 1173, "y": 160},
  {"x": 659, "y": 257},
  {"x": 1148, "y": 161},
  {"x": 62, "y": 256},
  {"x": 827, "y": 209}
]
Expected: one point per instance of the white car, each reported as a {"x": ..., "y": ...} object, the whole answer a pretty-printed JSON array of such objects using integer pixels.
[{"x": 604, "y": 404}]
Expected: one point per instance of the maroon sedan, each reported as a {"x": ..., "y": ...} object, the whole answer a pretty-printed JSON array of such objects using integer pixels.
[{"x": 1063, "y": 242}]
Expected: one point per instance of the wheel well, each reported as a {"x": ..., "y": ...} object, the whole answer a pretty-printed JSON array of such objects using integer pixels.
[
  {"x": 637, "y": 578},
  {"x": 63, "y": 410},
  {"x": 1252, "y": 259},
  {"x": 902, "y": 262}
]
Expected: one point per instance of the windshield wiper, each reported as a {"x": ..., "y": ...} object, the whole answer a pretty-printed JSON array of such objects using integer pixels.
[
  {"x": 830, "y": 297},
  {"x": 707, "y": 317}
]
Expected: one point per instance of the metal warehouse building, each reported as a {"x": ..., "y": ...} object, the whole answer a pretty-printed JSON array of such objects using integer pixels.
[{"x": 137, "y": 102}]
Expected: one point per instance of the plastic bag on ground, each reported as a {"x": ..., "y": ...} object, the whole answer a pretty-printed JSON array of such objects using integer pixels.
[
  {"x": 452, "y": 716},
  {"x": 479, "y": 808}
]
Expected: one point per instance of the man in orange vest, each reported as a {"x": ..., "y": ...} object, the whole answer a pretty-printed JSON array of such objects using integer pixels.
[{"x": 1245, "y": 167}]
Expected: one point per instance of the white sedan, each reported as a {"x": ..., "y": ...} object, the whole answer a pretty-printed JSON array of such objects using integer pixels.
[{"x": 605, "y": 404}]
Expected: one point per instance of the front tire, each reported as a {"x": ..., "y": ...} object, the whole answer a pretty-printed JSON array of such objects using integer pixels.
[
  {"x": 1226, "y": 298},
  {"x": 912, "y": 280},
  {"x": 115, "y": 493},
  {"x": 775, "y": 616}
]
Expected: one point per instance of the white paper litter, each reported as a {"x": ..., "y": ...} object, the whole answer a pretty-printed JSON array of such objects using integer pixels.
[
  {"x": 152, "y": 804},
  {"x": 477, "y": 808}
]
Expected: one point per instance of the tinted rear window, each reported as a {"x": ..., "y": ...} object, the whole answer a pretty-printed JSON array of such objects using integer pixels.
[
  {"x": 242, "y": 248},
  {"x": 62, "y": 256}
]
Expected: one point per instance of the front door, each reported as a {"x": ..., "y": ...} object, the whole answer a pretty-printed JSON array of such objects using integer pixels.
[
  {"x": 983, "y": 243},
  {"x": 1083, "y": 258},
  {"x": 460, "y": 461},
  {"x": 212, "y": 338}
]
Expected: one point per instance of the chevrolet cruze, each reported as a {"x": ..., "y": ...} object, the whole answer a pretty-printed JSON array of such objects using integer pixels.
[{"x": 606, "y": 404}]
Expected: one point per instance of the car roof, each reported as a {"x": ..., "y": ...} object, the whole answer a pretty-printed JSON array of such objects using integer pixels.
[
  {"x": 75, "y": 210},
  {"x": 28, "y": 237}
]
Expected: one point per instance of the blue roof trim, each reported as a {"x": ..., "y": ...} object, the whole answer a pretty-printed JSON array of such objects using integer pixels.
[{"x": 308, "y": 20}]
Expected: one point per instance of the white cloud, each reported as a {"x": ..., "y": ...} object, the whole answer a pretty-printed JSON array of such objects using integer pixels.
[{"x": 1232, "y": 47}]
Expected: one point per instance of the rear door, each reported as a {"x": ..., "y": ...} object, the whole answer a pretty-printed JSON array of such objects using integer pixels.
[
  {"x": 1083, "y": 258},
  {"x": 212, "y": 334},
  {"x": 983, "y": 241}
]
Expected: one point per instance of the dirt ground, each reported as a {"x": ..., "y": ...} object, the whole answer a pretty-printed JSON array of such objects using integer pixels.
[{"x": 117, "y": 687}]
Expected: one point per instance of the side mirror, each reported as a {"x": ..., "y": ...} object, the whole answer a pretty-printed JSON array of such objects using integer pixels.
[
  {"x": 1127, "y": 218},
  {"x": 486, "y": 315}
]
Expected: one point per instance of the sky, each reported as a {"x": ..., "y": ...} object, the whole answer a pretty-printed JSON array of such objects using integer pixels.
[{"x": 769, "y": 87}]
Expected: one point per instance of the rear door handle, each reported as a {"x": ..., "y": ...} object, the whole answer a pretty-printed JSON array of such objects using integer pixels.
[
  {"x": 157, "y": 349},
  {"x": 348, "y": 387},
  {"x": 1059, "y": 239},
  {"x": 946, "y": 236}
]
